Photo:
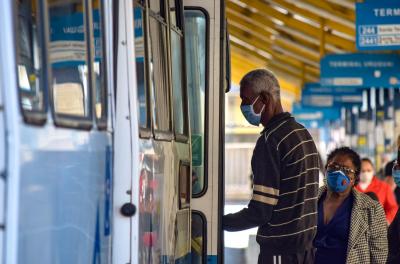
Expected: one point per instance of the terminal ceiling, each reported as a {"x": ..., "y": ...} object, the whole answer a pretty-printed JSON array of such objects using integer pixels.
[{"x": 288, "y": 37}]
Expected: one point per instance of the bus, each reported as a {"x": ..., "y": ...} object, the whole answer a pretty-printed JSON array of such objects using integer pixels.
[{"x": 112, "y": 131}]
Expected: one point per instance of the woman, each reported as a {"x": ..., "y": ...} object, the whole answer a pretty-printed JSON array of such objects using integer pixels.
[
  {"x": 351, "y": 226},
  {"x": 370, "y": 183}
]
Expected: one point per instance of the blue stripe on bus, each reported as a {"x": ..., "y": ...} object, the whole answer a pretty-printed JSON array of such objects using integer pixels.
[{"x": 212, "y": 259}]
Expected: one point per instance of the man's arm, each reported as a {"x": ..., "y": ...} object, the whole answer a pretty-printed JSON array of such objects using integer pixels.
[{"x": 266, "y": 171}]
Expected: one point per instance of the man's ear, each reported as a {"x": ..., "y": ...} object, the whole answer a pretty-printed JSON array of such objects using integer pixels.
[{"x": 265, "y": 98}]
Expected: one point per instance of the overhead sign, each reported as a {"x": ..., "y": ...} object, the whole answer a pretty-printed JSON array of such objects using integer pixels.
[
  {"x": 315, "y": 95},
  {"x": 310, "y": 114},
  {"x": 360, "y": 70},
  {"x": 378, "y": 25}
]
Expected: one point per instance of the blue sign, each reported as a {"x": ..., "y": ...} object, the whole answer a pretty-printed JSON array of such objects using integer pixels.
[
  {"x": 378, "y": 25},
  {"x": 360, "y": 70},
  {"x": 317, "y": 114},
  {"x": 67, "y": 39},
  {"x": 315, "y": 95}
]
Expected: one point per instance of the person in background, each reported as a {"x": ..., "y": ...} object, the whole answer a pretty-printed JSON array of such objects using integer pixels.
[
  {"x": 388, "y": 176},
  {"x": 285, "y": 166},
  {"x": 370, "y": 183},
  {"x": 351, "y": 226},
  {"x": 394, "y": 230}
]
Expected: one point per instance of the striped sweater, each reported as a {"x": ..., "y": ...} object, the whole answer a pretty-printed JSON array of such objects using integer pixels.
[{"x": 285, "y": 166}]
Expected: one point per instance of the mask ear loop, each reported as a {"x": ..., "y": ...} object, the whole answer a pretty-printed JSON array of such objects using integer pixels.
[{"x": 252, "y": 106}]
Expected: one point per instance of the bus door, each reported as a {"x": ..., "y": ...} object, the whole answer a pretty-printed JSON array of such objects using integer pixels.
[{"x": 205, "y": 63}]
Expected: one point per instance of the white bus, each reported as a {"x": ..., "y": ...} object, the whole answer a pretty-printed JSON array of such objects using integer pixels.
[{"x": 111, "y": 131}]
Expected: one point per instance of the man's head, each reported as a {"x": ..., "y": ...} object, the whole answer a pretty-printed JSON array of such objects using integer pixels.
[{"x": 260, "y": 90}]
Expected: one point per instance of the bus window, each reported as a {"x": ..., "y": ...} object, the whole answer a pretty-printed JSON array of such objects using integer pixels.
[
  {"x": 139, "y": 20},
  {"x": 196, "y": 54},
  {"x": 160, "y": 93},
  {"x": 99, "y": 64},
  {"x": 177, "y": 82},
  {"x": 29, "y": 59},
  {"x": 198, "y": 238},
  {"x": 69, "y": 59}
]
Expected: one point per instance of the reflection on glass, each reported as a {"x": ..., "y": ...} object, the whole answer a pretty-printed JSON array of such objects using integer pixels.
[
  {"x": 98, "y": 64},
  {"x": 140, "y": 66},
  {"x": 177, "y": 81},
  {"x": 28, "y": 57},
  {"x": 161, "y": 115},
  {"x": 198, "y": 231},
  {"x": 68, "y": 58},
  {"x": 195, "y": 40}
]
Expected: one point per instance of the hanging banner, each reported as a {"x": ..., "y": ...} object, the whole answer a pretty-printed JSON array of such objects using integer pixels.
[
  {"x": 315, "y": 95},
  {"x": 378, "y": 25},
  {"x": 360, "y": 70}
]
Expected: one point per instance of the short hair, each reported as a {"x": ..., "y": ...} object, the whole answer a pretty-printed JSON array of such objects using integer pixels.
[
  {"x": 355, "y": 158},
  {"x": 262, "y": 81},
  {"x": 367, "y": 160}
]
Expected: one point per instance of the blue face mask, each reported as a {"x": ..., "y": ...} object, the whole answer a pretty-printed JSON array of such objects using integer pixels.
[
  {"x": 396, "y": 177},
  {"x": 250, "y": 115},
  {"x": 337, "y": 181}
]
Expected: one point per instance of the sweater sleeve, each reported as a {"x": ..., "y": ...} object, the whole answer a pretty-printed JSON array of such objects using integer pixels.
[{"x": 266, "y": 171}]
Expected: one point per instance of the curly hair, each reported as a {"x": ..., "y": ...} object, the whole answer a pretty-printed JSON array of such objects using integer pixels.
[{"x": 355, "y": 158}]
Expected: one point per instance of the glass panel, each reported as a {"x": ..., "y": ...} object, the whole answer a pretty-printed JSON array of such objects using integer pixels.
[
  {"x": 198, "y": 239},
  {"x": 98, "y": 64},
  {"x": 195, "y": 40},
  {"x": 160, "y": 100},
  {"x": 140, "y": 66},
  {"x": 177, "y": 81},
  {"x": 68, "y": 58},
  {"x": 28, "y": 57}
]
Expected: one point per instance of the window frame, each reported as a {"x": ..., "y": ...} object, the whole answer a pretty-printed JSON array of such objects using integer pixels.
[
  {"x": 145, "y": 132},
  {"x": 101, "y": 122},
  {"x": 204, "y": 242},
  {"x": 36, "y": 117},
  {"x": 180, "y": 31},
  {"x": 70, "y": 121},
  {"x": 206, "y": 97},
  {"x": 159, "y": 135}
]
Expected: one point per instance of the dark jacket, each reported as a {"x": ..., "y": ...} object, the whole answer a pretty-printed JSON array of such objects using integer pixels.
[
  {"x": 285, "y": 166},
  {"x": 394, "y": 240}
]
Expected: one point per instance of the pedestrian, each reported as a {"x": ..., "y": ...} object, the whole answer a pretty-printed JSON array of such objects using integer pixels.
[
  {"x": 388, "y": 175},
  {"x": 285, "y": 166},
  {"x": 352, "y": 227},
  {"x": 370, "y": 183}
]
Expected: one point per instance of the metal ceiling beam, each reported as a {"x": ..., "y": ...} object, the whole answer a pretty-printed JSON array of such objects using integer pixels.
[
  {"x": 276, "y": 62},
  {"x": 344, "y": 3},
  {"x": 316, "y": 18},
  {"x": 238, "y": 23},
  {"x": 266, "y": 12},
  {"x": 244, "y": 62},
  {"x": 256, "y": 42},
  {"x": 323, "y": 9},
  {"x": 250, "y": 17}
]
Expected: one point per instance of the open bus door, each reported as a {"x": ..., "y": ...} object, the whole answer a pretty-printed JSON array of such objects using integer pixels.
[{"x": 206, "y": 57}]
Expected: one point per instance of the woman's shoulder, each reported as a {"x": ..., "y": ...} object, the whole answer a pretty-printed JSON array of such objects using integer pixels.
[{"x": 364, "y": 201}]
